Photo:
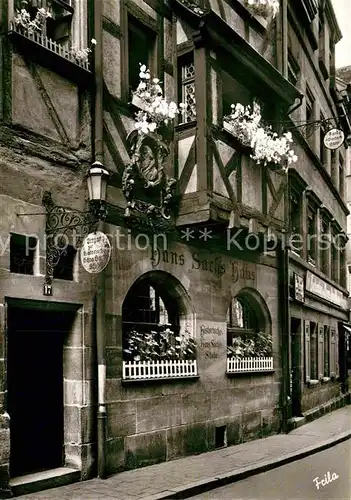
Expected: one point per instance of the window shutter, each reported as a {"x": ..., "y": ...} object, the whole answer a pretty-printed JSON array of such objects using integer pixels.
[
  {"x": 307, "y": 352},
  {"x": 320, "y": 351},
  {"x": 333, "y": 352}
]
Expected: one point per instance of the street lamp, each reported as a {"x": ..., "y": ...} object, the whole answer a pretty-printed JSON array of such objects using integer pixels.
[{"x": 60, "y": 221}]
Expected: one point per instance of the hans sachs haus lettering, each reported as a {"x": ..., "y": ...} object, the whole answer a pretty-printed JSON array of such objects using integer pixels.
[{"x": 237, "y": 269}]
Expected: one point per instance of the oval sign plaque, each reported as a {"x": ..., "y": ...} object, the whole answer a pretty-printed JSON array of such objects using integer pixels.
[
  {"x": 95, "y": 252},
  {"x": 334, "y": 138}
]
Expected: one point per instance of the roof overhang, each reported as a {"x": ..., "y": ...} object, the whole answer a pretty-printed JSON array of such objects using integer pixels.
[{"x": 251, "y": 66}]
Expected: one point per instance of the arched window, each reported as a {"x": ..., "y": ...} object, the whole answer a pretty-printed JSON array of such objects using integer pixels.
[
  {"x": 156, "y": 322},
  {"x": 247, "y": 334}
]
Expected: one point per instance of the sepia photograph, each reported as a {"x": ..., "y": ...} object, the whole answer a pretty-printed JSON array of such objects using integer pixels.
[{"x": 175, "y": 263}]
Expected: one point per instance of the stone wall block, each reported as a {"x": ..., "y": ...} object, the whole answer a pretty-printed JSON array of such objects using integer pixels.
[
  {"x": 72, "y": 424},
  {"x": 114, "y": 362},
  {"x": 196, "y": 407},
  {"x": 157, "y": 413},
  {"x": 4, "y": 446},
  {"x": 73, "y": 455},
  {"x": 88, "y": 424},
  {"x": 73, "y": 363},
  {"x": 114, "y": 455},
  {"x": 145, "y": 449},
  {"x": 234, "y": 431},
  {"x": 121, "y": 419},
  {"x": 251, "y": 425},
  {"x": 75, "y": 336}
]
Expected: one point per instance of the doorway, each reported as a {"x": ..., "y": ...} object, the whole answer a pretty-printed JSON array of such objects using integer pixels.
[
  {"x": 35, "y": 388},
  {"x": 296, "y": 366}
]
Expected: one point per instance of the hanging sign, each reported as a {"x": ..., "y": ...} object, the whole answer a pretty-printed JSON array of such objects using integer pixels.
[
  {"x": 334, "y": 138},
  {"x": 95, "y": 252}
]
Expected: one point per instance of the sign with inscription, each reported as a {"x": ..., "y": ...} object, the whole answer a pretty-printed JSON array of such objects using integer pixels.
[
  {"x": 334, "y": 138},
  {"x": 299, "y": 288},
  {"x": 95, "y": 252},
  {"x": 322, "y": 289},
  {"x": 212, "y": 339}
]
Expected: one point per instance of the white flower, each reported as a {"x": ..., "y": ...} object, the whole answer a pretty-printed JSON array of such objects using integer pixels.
[
  {"x": 93, "y": 41},
  {"x": 142, "y": 68},
  {"x": 155, "y": 80}
]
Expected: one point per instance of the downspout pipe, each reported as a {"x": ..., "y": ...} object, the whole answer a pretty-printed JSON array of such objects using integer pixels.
[{"x": 100, "y": 293}]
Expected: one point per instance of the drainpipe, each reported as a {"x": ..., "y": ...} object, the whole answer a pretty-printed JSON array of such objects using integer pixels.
[{"x": 100, "y": 294}]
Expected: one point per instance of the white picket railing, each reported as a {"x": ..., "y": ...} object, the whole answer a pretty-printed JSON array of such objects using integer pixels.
[
  {"x": 51, "y": 45},
  {"x": 145, "y": 370},
  {"x": 235, "y": 365}
]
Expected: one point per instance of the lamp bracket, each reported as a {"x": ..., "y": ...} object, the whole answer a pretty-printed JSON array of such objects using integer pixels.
[{"x": 61, "y": 226}]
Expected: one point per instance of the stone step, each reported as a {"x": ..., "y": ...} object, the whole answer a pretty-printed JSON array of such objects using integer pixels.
[
  {"x": 296, "y": 422},
  {"x": 44, "y": 480}
]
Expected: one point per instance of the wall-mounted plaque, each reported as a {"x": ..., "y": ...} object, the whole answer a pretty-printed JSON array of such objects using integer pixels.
[{"x": 299, "y": 288}]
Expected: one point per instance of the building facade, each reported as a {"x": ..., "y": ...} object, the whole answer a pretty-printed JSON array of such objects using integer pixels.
[{"x": 187, "y": 341}]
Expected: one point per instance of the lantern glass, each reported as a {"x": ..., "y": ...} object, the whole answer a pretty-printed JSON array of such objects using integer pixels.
[{"x": 97, "y": 183}]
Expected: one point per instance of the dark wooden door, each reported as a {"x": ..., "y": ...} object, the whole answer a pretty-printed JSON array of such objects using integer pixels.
[{"x": 35, "y": 390}]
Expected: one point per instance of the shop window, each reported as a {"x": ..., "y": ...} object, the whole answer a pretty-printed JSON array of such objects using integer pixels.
[
  {"x": 186, "y": 91},
  {"x": 22, "y": 254},
  {"x": 247, "y": 338},
  {"x": 295, "y": 217},
  {"x": 326, "y": 351},
  {"x": 311, "y": 234},
  {"x": 314, "y": 350},
  {"x": 64, "y": 268},
  {"x": 158, "y": 340},
  {"x": 141, "y": 49}
]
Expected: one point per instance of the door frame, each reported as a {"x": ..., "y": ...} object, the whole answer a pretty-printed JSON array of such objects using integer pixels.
[{"x": 70, "y": 459}]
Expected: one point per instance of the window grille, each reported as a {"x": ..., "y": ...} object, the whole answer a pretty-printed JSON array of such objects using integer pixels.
[{"x": 187, "y": 72}]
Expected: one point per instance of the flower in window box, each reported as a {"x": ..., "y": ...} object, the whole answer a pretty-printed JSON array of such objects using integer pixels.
[
  {"x": 263, "y": 8},
  {"x": 155, "y": 110},
  {"x": 267, "y": 146}
]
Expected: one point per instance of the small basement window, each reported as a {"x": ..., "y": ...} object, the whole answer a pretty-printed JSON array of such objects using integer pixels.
[
  {"x": 22, "y": 252},
  {"x": 221, "y": 436},
  {"x": 64, "y": 268}
]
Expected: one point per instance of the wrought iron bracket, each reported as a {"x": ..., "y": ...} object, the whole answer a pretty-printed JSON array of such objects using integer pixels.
[
  {"x": 62, "y": 226},
  {"x": 307, "y": 128}
]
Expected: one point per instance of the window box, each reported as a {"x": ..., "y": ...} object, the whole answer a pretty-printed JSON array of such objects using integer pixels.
[
  {"x": 149, "y": 370},
  {"x": 50, "y": 54},
  {"x": 236, "y": 365}
]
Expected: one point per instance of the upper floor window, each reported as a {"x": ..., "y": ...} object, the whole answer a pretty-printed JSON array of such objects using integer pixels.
[
  {"x": 310, "y": 115},
  {"x": 186, "y": 91},
  {"x": 233, "y": 92},
  {"x": 324, "y": 245},
  {"x": 322, "y": 132},
  {"x": 295, "y": 210},
  {"x": 311, "y": 234},
  {"x": 57, "y": 26},
  {"x": 141, "y": 50},
  {"x": 341, "y": 176},
  {"x": 293, "y": 69}
]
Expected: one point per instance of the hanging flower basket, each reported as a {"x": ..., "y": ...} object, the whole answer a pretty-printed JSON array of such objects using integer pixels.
[
  {"x": 268, "y": 148},
  {"x": 263, "y": 8}
]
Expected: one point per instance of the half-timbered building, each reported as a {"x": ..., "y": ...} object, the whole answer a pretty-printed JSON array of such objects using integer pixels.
[{"x": 182, "y": 343}]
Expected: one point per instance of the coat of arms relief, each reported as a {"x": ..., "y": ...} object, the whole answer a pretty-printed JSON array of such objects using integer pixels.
[{"x": 145, "y": 184}]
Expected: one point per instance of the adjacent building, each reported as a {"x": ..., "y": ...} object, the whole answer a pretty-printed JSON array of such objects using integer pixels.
[{"x": 211, "y": 325}]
